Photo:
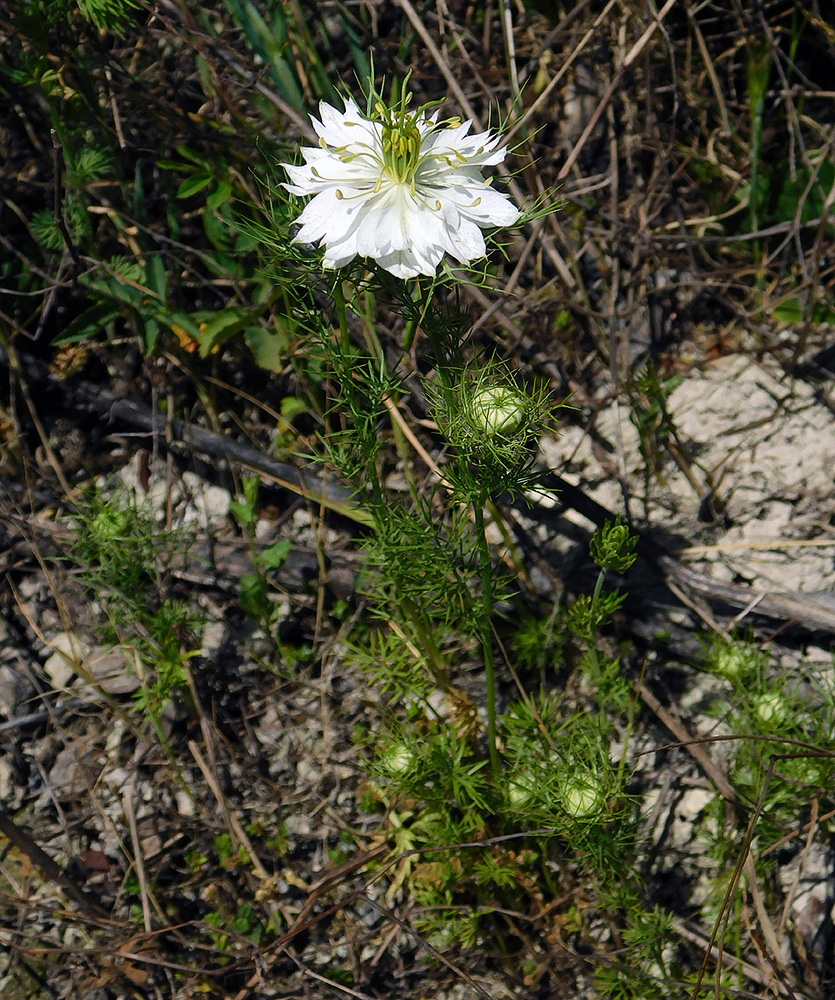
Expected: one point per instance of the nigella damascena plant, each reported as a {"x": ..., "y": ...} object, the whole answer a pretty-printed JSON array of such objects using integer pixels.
[{"x": 401, "y": 187}]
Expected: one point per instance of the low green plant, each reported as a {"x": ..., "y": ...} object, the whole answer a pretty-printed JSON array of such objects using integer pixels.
[
  {"x": 777, "y": 735},
  {"x": 494, "y": 769},
  {"x": 122, "y": 556},
  {"x": 485, "y": 800},
  {"x": 254, "y": 594},
  {"x": 779, "y": 731},
  {"x": 657, "y": 432}
]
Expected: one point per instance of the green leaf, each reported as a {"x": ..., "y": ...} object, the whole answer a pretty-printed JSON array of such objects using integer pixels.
[
  {"x": 220, "y": 195},
  {"x": 220, "y": 328},
  {"x": 220, "y": 235},
  {"x": 244, "y": 510},
  {"x": 191, "y": 185},
  {"x": 274, "y": 556},
  {"x": 225, "y": 849},
  {"x": 155, "y": 276},
  {"x": 178, "y": 323},
  {"x": 90, "y": 323},
  {"x": 269, "y": 347},
  {"x": 243, "y": 514},
  {"x": 791, "y": 311},
  {"x": 253, "y": 597},
  {"x": 150, "y": 336},
  {"x": 189, "y": 154}
]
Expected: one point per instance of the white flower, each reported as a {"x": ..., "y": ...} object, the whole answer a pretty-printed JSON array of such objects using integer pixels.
[{"x": 400, "y": 187}]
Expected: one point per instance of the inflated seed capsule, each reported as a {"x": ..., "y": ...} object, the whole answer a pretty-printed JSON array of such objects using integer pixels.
[
  {"x": 398, "y": 759},
  {"x": 497, "y": 409},
  {"x": 770, "y": 708},
  {"x": 582, "y": 795}
]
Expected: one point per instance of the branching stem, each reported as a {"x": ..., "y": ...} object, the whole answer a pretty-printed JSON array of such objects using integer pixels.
[
  {"x": 342, "y": 316},
  {"x": 486, "y": 568}
]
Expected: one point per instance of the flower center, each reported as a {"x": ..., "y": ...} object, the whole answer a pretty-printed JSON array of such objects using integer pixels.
[{"x": 401, "y": 148}]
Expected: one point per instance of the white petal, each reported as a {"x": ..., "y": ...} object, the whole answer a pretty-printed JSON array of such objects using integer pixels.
[
  {"x": 469, "y": 243},
  {"x": 326, "y": 217},
  {"x": 339, "y": 128},
  {"x": 302, "y": 182},
  {"x": 488, "y": 208},
  {"x": 332, "y": 260},
  {"x": 409, "y": 264}
]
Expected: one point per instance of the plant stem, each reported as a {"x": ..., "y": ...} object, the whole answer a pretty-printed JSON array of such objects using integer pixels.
[
  {"x": 421, "y": 297},
  {"x": 486, "y": 638},
  {"x": 594, "y": 620},
  {"x": 342, "y": 316}
]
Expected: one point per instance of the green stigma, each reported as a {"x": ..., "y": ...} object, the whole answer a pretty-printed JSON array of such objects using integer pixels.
[{"x": 401, "y": 148}]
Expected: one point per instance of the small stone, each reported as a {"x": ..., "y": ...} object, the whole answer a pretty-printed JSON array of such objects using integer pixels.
[
  {"x": 69, "y": 653},
  {"x": 7, "y": 781},
  {"x": 208, "y": 505},
  {"x": 14, "y": 688},
  {"x": 74, "y": 771},
  {"x": 184, "y": 802},
  {"x": 213, "y": 637},
  {"x": 112, "y": 669},
  {"x": 116, "y": 778}
]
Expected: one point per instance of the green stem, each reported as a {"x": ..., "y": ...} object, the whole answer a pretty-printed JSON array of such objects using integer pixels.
[
  {"x": 421, "y": 297},
  {"x": 486, "y": 568},
  {"x": 434, "y": 659},
  {"x": 594, "y": 620},
  {"x": 595, "y": 599},
  {"x": 412, "y": 324},
  {"x": 342, "y": 316}
]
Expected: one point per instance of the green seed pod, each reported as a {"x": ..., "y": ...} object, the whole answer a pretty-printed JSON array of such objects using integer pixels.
[
  {"x": 770, "y": 708},
  {"x": 582, "y": 795},
  {"x": 497, "y": 410},
  {"x": 732, "y": 662},
  {"x": 521, "y": 790},
  {"x": 398, "y": 760}
]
